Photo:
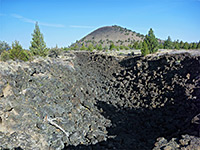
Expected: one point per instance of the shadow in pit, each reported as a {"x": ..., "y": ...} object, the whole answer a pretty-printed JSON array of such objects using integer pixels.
[{"x": 139, "y": 128}]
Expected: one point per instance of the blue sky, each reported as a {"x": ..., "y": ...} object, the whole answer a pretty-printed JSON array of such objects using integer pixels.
[{"x": 62, "y": 22}]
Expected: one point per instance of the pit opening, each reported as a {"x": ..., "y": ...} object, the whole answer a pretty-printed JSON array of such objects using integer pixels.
[{"x": 161, "y": 101}]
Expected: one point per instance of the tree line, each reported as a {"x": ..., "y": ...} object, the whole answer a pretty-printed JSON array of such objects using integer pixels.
[
  {"x": 168, "y": 44},
  {"x": 151, "y": 45},
  {"x": 38, "y": 47},
  {"x": 16, "y": 52}
]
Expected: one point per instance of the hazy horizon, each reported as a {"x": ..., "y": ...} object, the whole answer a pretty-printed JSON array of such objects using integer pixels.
[{"x": 64, "y": 22}]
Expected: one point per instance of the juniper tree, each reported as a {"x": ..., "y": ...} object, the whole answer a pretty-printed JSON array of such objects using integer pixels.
[{"x": 38, "y": 46}]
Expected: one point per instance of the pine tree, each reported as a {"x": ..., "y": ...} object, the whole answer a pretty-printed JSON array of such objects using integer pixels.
[
  {"x": 198, "y": 45},
  {"x": 54, "y": 52},
  {"x": 160, "y": 46},
  {"x": 96, "y": 46},
  {"x": 83, "y": 47},
  {"x": 90, "y": 47},
  {"x": 76, "y": 47},
  {"x": 194, "y": 46},
  {"x": 151, "y": 41},
  {"x": 176, "y": 46},
  {"x": 181, "y": 44},
  {"x": 135, "y": 45},
  {"x": 140, "y": 45},
  {"x": 17, "y": 52},
  {"x": 100, "y": 47},
  {"x": 129, "y": 45},
  {"x": 168, "y": 43},
  {"x": 112, "y": 46},
  {"x": 121, "y": 47},
  {"x": 5, "y": 55},
  {"x": 106, "y": 48},
  {"x": 38, "y": 46},
  {"x": 117, "y": 48},
  {"x": 186, "y": 45},
  {"x": 190, "y": 45},
  {"x": 144, "y": 50},
  {"x": 126, "y": 47}
]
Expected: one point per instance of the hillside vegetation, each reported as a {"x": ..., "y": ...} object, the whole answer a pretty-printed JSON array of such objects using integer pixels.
[{"x": 112, "y": 34}]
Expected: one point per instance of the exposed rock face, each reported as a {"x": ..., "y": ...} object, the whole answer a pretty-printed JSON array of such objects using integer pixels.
[
  {"x": 43, "y": 104},
  {"x": 90, "y": 101}
]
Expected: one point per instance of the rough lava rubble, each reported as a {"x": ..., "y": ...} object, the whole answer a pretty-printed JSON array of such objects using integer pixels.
[{"x": 84, "y": 100}]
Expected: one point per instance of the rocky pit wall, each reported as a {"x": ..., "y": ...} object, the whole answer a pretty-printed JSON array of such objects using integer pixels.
[{"x": 85, "y": 100}]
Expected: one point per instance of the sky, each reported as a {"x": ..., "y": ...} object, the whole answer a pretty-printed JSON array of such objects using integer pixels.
[{"x": 62, "y": 22}]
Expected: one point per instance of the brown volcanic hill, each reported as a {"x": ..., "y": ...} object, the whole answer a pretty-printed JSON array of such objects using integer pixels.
[{"x": 111, "y": 34}]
